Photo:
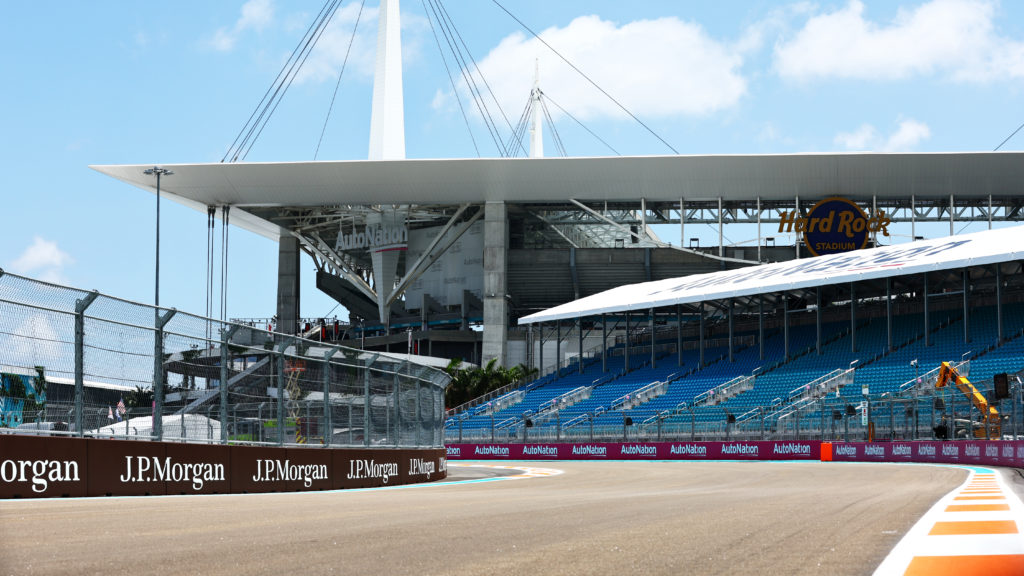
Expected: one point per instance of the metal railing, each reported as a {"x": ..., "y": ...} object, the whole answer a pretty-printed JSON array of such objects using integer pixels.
[
  {"x": 932, "y": 414},
  {"x": 82, "y": 363},
  {"x": 640, "y": 395}
]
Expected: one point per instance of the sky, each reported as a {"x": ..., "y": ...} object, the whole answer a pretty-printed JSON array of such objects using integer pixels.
[{"x": 173, "y": 82}]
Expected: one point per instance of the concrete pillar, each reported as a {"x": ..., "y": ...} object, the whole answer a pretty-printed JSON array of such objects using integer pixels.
[
  {"x": 495, "y": 341},
  {"x": 288, "y": 285}
]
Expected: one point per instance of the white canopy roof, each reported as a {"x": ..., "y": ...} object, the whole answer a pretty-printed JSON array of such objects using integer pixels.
[
  {"x": 546, "y": 180},
  {"x": 989, "y": 247}
]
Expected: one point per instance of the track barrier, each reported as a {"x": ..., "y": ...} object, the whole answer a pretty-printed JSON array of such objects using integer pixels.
[{"x": 993, "y": 452}]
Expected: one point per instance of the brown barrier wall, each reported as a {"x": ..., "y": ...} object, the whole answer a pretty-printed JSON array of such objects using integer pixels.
[{"x": 37, "y": 466}]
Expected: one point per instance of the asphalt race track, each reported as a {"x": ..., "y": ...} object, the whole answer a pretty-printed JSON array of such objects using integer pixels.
[{"x": 760, "y": 518}]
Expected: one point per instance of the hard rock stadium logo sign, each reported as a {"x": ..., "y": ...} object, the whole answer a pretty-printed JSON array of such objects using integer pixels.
[{"x": 834, "y": 225}]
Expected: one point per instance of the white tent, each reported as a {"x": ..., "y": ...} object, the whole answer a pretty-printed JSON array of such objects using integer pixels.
[
  {"x": 953, "y": 252},
  {"x": 196, "y": 427}
]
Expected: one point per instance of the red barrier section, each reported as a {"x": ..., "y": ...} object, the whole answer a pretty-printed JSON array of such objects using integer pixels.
[{"x": 35, "y": 466}]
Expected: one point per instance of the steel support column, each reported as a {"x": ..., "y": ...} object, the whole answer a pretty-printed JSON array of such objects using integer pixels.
[
  {"x": 966, "y": 273},
  {"x": 817, "y": 320},
  {"x": 732, "y": 306},
  {"x": 652, "y": 324},
  {"x": 225, "y": 359},
  {"x": 853, "y": 318},
  {"x": 888, "y": 313},
  {"x": 701, "y": 363},
  {"x": 927, "y": 321},
  {"x": 999, "y": 303},
  {"x": 785, "y": 323},
  {"x": 80, "y": 307},
  {"x": 760, "y": 325},
  {"x": 679, "y": 334}
]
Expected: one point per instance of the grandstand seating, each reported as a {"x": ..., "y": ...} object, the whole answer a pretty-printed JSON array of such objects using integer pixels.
[{"x": 882, "y": 371}]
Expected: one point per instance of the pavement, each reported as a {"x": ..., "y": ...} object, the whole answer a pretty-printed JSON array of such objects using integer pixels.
[{"x": 762, "y": 518}]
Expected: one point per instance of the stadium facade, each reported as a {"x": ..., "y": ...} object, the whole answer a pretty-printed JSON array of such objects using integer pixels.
[{"x": 425, "y": 253}]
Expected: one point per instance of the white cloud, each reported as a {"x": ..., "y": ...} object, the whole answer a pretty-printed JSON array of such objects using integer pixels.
[
  {"x": 908, "y": 134},
  {"x": 325, "y": 60},
  {"x": 655, "y": 68},
  {"x": 43, "y": 260},
  {"x": 328, "y": 55},
  {"x": 256, "y": 15},
  {"x": 859, "y": 139},
  {"x": 954, "y": 38}
]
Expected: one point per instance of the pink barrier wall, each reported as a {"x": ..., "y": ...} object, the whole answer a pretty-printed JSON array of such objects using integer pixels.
[
  {"x": 796, "y": 450},
  {"x": 995, "y": 453}
]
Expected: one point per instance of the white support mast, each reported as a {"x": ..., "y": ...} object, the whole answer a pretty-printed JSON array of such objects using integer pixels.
[
  {"x": 536, "y": 123},
  {"x": 387, "y": 117}
]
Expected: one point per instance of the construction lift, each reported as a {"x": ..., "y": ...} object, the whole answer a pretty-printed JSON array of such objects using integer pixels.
[{"x": 990, "y": 427}]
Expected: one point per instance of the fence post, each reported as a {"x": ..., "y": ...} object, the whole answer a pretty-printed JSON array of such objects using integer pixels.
[
  {"x": 398, "y": 428},
  {"x": 281, "y": 347},
  {"x": 328, "y": 427},
  {"x": 366, "y": 405},
  {"x": 80, "y": 306},
  {"x": 225, "y": 357},
  {"x": 158, "y": 371}
]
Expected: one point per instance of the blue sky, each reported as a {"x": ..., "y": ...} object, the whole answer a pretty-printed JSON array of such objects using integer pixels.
[{"x": 150, "y": 82}]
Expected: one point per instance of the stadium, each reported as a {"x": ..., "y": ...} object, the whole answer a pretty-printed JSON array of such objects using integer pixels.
[{"x": 774, "y": 394}]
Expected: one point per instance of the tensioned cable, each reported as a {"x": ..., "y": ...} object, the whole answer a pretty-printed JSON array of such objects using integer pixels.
[
  {"x": 340, "y": 74},
  {"x": 554, "y": 131},
  {"x": 268, "y": 104},
  {"x": 1008, "y": 138},
  {"x": 520, "y": 129},
  {"x": 478, "y": 71},
  {"x": 451, "y": 80},
  {"x": 267, "y": 93},
  {"x": 582, "y": 125},
  {"x": 295, "y": 73},
  {"x": 225, "y": 213},
  {"x": 211, "y": 213},
  {"x": 470, "y": 81},
  {"x": 587, "y": 78}
]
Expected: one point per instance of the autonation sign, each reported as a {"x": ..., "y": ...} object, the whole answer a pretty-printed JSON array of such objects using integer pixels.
[{"x": 835, "y": 225}]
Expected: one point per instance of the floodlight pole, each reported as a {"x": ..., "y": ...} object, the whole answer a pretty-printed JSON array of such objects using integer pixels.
[{"x": 159, "y": 172}]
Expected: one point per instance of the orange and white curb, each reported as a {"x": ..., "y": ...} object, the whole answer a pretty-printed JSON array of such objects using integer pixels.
[
  {"x": 527, "y": 471},
  {"x": 976, "y": 529}
]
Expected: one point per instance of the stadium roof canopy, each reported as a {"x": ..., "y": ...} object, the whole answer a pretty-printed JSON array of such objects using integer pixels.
[
  {"x": 547, "y": 180},
  {"x": 953, "y": 252}
]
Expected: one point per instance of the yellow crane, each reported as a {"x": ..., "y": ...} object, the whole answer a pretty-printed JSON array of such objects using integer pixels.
[{"x": 989, "y": 415}]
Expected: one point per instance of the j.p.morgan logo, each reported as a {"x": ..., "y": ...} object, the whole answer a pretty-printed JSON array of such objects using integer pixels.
[
  {"x": 421, "y": 467},
  {"x": 39, "y": 472},
  {"x": 358, "y": 469},
  {"x": 270, "y": 470},
  {"x": 153, "y": 469},
  {"x": 834, "y": 225}
]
